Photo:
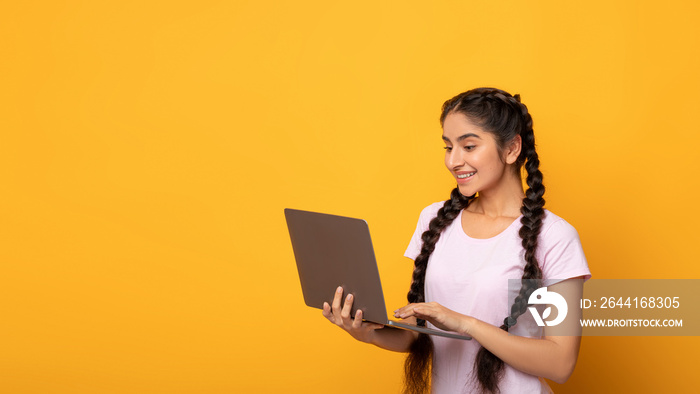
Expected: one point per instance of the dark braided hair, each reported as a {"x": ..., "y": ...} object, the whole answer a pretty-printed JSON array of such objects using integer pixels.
[
  {"x": 419, "y": 361},
  {"x": 503, "y": 115}
]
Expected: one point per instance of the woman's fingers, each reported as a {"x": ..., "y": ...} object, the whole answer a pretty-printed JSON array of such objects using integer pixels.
[
  {"x": 336, "y": 301},
  {"x": 419, "y": 310},
  {"x": 357, "y": 322},
  {"x": 436, "y": 314},
  {"x": 347, "y": 308},
  {"x": 327, "y": 311},
  {"x": 339, "y": 314},
  {"x": 405, "y": 312}
]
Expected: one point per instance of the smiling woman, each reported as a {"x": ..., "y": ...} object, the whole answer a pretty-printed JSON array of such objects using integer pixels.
[
  {"x": 466, "y": 249},
  {"x": 479, "y": 162}
]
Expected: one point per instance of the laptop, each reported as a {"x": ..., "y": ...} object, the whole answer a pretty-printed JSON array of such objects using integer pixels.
[{"x": 332, "y": 251}]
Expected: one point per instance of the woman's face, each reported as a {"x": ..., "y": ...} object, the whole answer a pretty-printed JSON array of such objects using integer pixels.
[{"x": 471, "y": 155}]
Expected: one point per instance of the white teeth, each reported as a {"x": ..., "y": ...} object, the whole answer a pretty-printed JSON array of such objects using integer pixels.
[{"x": 462, "y": 176}]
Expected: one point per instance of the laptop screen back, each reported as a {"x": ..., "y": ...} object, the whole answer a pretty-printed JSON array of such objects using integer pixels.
[{"x": 332, "y": 251}]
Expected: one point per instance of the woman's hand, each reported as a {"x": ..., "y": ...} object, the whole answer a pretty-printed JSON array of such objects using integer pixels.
[
  {"x": 362, "y": 331},
  {"x": 438, "y": 315}
]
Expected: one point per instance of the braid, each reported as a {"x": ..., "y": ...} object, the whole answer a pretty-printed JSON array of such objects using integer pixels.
[
  {"x": 445, "y": 216},
  {"x": 489, "y": 368},
  {"x": 533, "y": 212},
  {"x": 418, "y": 363}
]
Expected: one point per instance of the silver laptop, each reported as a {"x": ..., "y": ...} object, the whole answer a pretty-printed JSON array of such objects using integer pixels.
[{"x": 333, "y": 251}]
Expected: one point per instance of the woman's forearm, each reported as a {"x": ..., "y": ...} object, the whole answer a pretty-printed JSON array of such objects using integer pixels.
[
  {"x": 552, "y": 357},
  {"x": 393, "y": 339}
]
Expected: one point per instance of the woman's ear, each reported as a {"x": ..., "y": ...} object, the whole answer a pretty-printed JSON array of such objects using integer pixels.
[{"x": 513, "y": 150}]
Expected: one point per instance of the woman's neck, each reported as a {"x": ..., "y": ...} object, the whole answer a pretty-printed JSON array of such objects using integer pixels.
[{"x": 504, "y": 200}]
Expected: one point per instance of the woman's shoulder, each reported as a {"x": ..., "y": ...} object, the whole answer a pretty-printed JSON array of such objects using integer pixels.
[
  {"x": 554, "y": 226},
  {"x": 560, "y": 252},
  {"x": 432, "y": 209},
  {"x": 428, "y": 213}
]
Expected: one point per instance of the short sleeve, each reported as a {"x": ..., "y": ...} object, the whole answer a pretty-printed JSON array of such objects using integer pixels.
[
  {"x": 416, "y": 243},
  {"x": 561, "y": 253}
]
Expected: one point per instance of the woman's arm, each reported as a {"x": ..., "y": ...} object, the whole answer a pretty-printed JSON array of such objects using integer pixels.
[
  {"x": 553, "y": 357},
  {"x": 377, "y": 334},
  {"x": 394, "y": 339}
]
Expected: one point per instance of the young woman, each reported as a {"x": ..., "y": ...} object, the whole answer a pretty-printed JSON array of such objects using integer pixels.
[{"x": 466, "y": 249}]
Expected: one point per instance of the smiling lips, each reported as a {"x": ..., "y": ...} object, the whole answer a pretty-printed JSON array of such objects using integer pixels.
[{"x": 463, "y": 176}]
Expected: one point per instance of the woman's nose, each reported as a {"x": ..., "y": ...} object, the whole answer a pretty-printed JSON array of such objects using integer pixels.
[{"x": 455, "y": 159}]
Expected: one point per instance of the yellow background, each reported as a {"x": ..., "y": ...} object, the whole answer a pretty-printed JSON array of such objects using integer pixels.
[{"x": 148, "y": 150}]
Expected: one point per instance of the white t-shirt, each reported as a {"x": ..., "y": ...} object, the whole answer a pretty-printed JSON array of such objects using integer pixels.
[{"x": 470, "y": 276}]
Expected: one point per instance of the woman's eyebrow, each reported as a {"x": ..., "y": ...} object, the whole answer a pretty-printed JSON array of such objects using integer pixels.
[{"x": 462, "y": 137}]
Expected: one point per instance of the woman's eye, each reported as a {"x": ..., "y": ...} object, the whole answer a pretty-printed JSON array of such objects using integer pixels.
[
  {"x": 469, "y": 147},
  {"x": 448, "y": 148}
]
